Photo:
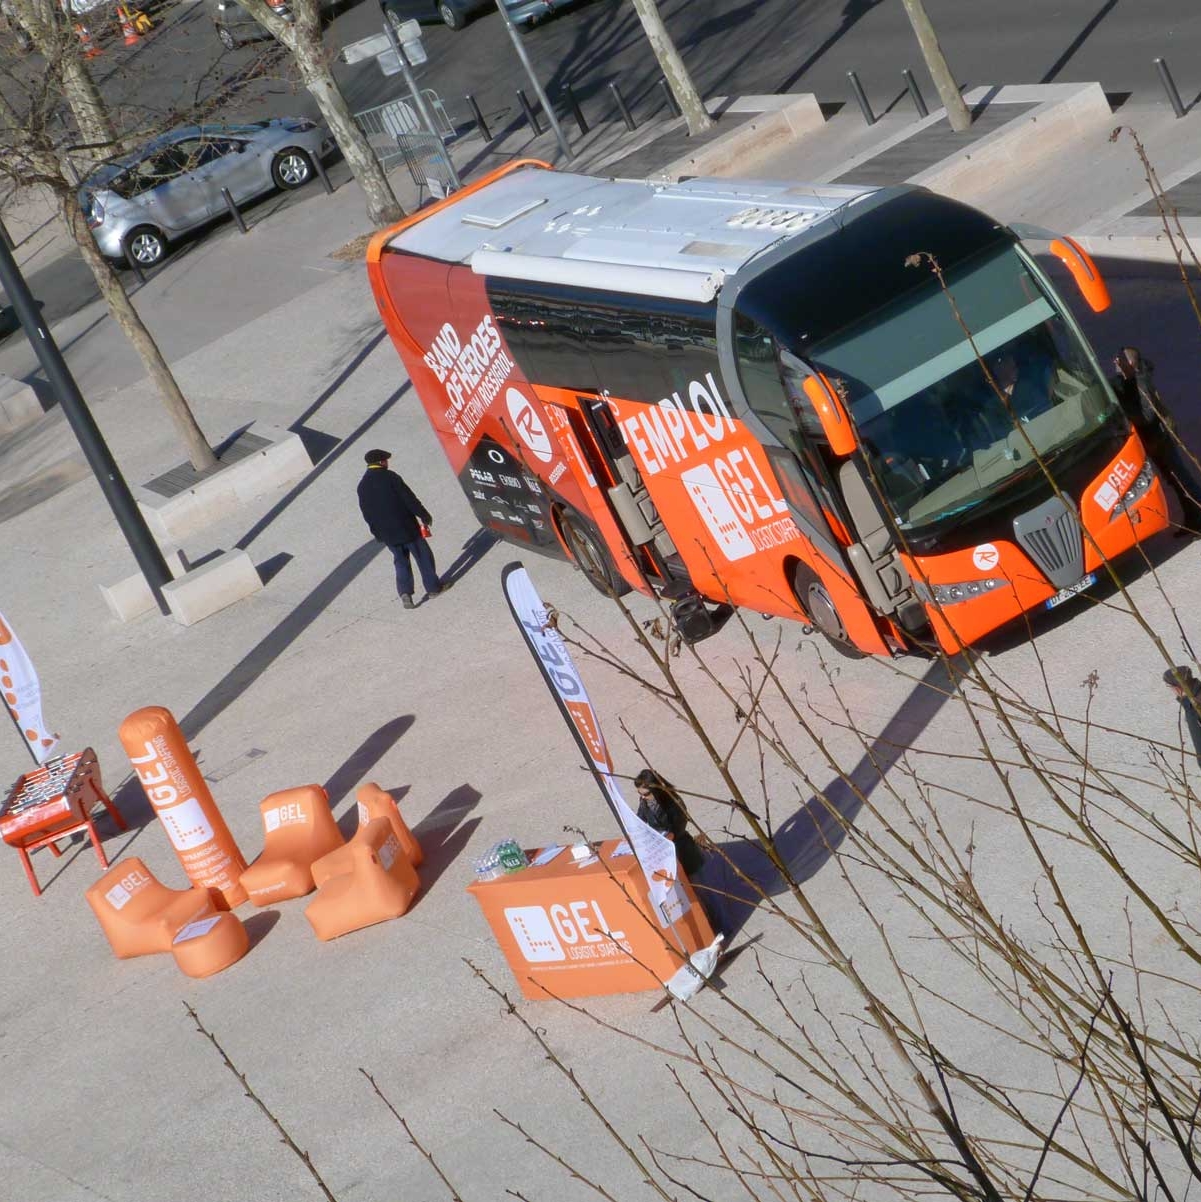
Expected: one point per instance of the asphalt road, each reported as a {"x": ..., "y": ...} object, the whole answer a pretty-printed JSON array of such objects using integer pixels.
[{"x": 730, "y": 46}]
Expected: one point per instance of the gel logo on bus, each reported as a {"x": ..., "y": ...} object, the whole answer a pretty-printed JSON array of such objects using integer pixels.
[
  {"x": 529, "y": 426},
  {"x": 1110, "y": 491},
  {"x": 717, "y": 512},
  {"x": 986, "y": 557}
]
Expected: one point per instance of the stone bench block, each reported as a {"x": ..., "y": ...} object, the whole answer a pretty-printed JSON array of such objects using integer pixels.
[
  {"x": 203, "y": 591},
  {"x": 131, "y": 597},
  {"x": 281, "y": 462},
  {"x": 19, "y": 405}
]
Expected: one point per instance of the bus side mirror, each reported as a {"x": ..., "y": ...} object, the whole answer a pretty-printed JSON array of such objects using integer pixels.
[
  {"x": 1084, "y": 271},
  {"x": 836, "y": 425}
]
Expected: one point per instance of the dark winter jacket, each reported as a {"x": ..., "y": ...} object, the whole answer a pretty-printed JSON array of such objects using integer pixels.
[
  {"x": 1191, "y": 722},
  {"x": 663, "y": 811},
  {"x": 390, "y": 507}
]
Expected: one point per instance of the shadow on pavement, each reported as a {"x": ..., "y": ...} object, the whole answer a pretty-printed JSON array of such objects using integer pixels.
[
  {"x": 443, "y": 833},
  {"x": 350, "y": 440},
  {"x": 852, "y": 11},
  {"x": 807, "y": 840},
  {"x": 258, "y": 926},
  {"x": 252, "y": 665},
  {"x": 474, "y": 549},
  {"x": 359, "y": 764}
]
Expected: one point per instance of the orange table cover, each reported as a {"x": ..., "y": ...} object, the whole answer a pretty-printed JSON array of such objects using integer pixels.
[{"x": 551, "y": 924}]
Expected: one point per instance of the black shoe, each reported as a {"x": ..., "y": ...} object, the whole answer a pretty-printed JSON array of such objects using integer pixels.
[{"x": 407, "y": 601}]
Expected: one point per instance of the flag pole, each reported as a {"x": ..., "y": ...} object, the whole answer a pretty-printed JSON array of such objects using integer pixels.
[{"x": 21, "y": 734}]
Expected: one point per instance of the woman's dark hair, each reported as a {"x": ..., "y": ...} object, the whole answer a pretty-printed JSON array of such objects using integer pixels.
[{"x": 649, "y": 779}]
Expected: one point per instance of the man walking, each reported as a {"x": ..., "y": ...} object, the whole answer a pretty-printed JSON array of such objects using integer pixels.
[{"x": 396, "y": 517}]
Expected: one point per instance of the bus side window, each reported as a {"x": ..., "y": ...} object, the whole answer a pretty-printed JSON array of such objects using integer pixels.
[{"x": 546, "y": 340}]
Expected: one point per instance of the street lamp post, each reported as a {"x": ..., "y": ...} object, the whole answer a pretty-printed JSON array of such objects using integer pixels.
[
  {"x": 547, "y": 107},
  {"x": 100, "y": 459}
]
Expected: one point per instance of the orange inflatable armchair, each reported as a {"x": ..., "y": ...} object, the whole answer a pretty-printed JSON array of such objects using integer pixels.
[
  {"x": 210, "y": 944},
  {"x": 298, "y": 829},
  {"x": 380, "y": 884},
  {"x": 138, "y": 914},
  {"x": 374, "y": 802}
]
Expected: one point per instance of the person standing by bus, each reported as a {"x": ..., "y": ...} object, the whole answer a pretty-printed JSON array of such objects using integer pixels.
[
  {"x": 1157, "y": 428},
  {"x": 1186, "y": 688},
  {"x": 398, "y": 519}
]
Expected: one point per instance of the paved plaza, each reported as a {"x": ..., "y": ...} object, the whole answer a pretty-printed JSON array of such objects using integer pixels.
[{"x": 110, "y": 1093}]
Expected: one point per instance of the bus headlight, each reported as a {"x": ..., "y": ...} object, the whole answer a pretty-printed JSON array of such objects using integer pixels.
[
  {"x": 1138, "y": 488},
  {"x": 950, "y": 594}
]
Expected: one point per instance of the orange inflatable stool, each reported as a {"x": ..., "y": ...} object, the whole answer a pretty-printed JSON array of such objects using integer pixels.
[
  {"x": 208, "y": 945},
  {"x": 298, "y": 829},
  {"x": 138, "y": 914},
  {"x": 374, "y": 802},
  {"x": 380, "y": 884}
]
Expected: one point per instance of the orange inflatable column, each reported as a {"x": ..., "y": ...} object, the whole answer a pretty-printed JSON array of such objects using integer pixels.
[{"x": 174, "y": 787}]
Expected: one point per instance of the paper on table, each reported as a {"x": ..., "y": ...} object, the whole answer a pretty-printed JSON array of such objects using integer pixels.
[
  {"x": 622, "y": 849},
  {"x": 546, "y": 855}
]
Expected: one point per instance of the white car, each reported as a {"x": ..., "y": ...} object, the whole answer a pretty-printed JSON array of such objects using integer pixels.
[{"x": 137, "y": 203}]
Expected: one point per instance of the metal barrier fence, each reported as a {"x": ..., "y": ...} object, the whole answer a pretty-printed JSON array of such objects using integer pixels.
[
  {"x": 425, "y": 158},
  {"x": 385, "y": 123}
]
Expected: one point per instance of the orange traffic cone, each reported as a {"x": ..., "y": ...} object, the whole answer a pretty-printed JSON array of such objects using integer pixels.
[
  {"x": 90, "y": 49},
  {"x": 128, "y": 31}
]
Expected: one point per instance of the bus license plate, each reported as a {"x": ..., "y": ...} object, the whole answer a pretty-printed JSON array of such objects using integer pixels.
[{"x": 1066, "y": 594}]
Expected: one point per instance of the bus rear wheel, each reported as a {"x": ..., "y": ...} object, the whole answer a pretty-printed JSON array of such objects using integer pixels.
[
  {"x": 589, "y": 555},
  {"x": 822, "y": 612}
]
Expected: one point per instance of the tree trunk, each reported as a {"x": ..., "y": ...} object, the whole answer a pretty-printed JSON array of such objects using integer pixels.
[
  {"x": 672, "y": 65},
  {"x": 79, "y": 91},
  {"x": 132, "y": 326},
  {"x": 301, "y": 38},
  {"x": 52, "y": 31},
  {"x": 382, "y": 206},
  {"x": 948, "y": 91}
]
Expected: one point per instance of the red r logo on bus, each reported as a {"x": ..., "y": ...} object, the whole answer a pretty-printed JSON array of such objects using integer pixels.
[
  {"x": 986, "y": 556},
  {"x": 529, "y": 426}
]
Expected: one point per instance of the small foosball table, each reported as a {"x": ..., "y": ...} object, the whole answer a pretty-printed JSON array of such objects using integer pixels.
[{"x": 52, "y": 802}]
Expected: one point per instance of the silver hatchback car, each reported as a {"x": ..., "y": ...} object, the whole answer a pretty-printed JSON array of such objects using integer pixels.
[{"x": 137, "y": 203}]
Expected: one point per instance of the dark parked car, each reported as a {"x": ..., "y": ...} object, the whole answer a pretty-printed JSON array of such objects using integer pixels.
[{"x": 235, "y": 25}]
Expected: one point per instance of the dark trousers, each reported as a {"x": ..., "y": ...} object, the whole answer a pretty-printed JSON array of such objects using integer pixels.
[{"x": 419, "y": 549}]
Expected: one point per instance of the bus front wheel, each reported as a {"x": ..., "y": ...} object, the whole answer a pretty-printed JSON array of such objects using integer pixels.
[
  {"x": 589, "y": 555},
  {"x": 821, "y": 611}
]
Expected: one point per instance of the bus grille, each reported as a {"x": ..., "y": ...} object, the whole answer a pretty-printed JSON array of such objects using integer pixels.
[{"x": 1051, "y": 536}]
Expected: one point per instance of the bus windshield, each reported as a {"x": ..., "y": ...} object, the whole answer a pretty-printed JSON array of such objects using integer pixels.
[{"x": 940, "y": 439}]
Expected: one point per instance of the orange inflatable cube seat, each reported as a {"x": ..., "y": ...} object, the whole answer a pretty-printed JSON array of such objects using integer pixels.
[
  {"x": 298, "y": 829},
  {"x": 209, "y": 944},
  {"x": 374, "y": 802},
  {"x": 138, "y": 914},
  {"x": 380, "y": 884}
]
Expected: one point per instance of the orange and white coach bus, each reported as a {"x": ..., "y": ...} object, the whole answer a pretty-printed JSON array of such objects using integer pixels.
[{"x": 759, "y": 393}]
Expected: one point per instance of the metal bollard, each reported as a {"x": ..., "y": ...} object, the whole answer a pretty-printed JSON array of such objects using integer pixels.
[
  {"x": 478, "y": 118},
  {"x": 324, "y": 177},
  {"x": 915, "y": 95},
  {"x": 861, "y": 96},
  {"x": 233, "y": 210},
  {"x": 7, "y": 238},
  {"x": 134, "y": 265},
  {"x": 1169, "y": 86},
  {"x": 530, "y": 115},
  {"x": 626, "y": 115},
  {"x": 670, "y": 97},
  {"x": 576, "y": 111}
]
